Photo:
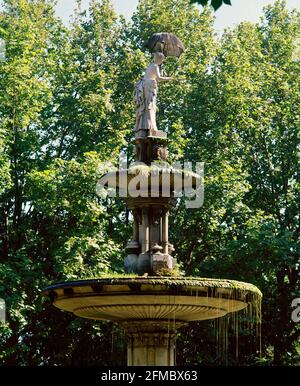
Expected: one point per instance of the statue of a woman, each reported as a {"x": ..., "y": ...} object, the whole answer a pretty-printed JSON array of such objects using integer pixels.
[{"x": 145, "y": 96}]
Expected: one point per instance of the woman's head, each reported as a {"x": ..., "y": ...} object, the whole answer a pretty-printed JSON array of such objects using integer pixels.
[{"x": 159, "y": 57}]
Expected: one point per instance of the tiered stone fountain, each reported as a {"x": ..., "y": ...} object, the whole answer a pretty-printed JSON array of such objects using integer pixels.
[{"x": 152, "y": 303}]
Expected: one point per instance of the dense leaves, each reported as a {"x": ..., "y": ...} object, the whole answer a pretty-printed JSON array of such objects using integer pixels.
[{"x": 66, "y": 112}]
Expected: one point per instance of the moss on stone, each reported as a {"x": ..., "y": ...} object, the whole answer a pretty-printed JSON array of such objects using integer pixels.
[
  {"x": 146, "y": 170},
  {"x": 179, "y": 281}
]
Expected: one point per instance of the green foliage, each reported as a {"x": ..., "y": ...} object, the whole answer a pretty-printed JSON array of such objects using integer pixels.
[
  {"x": 246, "y": 129},
  {"x": 66, "y": 110}
]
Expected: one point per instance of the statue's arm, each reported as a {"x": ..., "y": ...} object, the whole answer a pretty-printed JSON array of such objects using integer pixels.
[
  {"x": 162, "y": 78},
  {"x": 165, "y": 78}
]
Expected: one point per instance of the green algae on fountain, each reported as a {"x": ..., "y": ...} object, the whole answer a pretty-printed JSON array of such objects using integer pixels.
[
  {"x": 149, "y": 306},
  {"x": 151, "y": 309}
]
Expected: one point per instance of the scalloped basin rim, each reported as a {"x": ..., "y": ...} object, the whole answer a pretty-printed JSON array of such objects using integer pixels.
[
  {"x": 167, "y": 280},
  {"x": 153, "y": 298}
]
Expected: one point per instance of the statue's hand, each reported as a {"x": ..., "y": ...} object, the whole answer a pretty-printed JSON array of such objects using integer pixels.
[{"x": 178, "y": 79}]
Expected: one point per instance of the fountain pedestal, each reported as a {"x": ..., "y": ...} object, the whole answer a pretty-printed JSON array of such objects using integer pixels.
[{"x": 151, "y": 342}]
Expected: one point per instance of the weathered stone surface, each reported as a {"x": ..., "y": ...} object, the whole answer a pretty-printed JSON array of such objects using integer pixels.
[
  {"x": 130, "y": 263},
  {"x": 153, "y": 298},
  {"x": 161, "y": 261},
  {"x": 145, "y": 98},
  {"x": 151, "y": 309},
  {"x": 143, "y": 264},
  {"x": 151, "y": 343}
]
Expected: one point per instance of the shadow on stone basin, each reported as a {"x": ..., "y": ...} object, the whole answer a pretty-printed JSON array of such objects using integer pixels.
[{"x": 153, "y": 298}]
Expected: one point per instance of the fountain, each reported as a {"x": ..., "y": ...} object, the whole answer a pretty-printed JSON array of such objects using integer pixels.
[{"x": 151, "y": 302}]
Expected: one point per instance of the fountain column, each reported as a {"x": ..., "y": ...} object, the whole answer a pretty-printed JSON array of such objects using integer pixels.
[
  {"x": 151, "y": 343},
  {"x": 146, "y": 233},
  {"x": 135, "y": 226},
  {"x": 165, "y": 231}
]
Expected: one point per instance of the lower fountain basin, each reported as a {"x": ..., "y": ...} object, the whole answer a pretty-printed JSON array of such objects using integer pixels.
[{"x": 153, "y": 298}]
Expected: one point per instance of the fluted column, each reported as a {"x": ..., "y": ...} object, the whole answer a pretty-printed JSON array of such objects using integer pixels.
[
  {"x": 135, "y": 226},
  {"x": 145, "y": 227},
  {"x": 165, "y": 232},
  {"x": 151, "y": 343}
]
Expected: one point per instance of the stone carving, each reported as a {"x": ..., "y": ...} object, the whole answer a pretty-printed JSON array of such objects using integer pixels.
[
  {"x": 145, "y": 97},
  {"x": 149, "y": 250},
  {"x": 156, "y": 215},
  {"x": 160, "y": 152},
  {"x": 165, "y": 42}
]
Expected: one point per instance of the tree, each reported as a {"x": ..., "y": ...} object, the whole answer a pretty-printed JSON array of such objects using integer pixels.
[
  {"x": 247, "y": 131},
  {"x": 55, "y": 105}
]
